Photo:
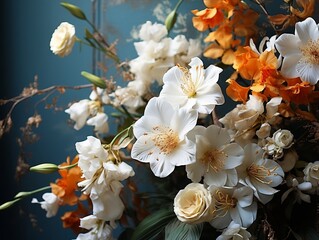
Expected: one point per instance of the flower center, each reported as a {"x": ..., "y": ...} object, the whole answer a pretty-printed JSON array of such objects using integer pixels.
[
  {"x": 260, "y": 173},
  {"x": 223, "y": 203},
  {"x": 189, "y": 85},
  {"x": 95, "y": 107},
  {"x": 310, "y": 52},
  {"x": 166, "y": 139},
  {"x": 214, "y": 160}
]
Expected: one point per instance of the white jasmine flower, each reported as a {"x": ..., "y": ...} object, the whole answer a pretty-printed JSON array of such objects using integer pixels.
[
  {"x": 98, "y": 229},
  {"x": 79, "y": 113},
  {"x": 300, "y": 51},
  {"x": 63, "y": 39},
  {"x": 193, "y": 204},
  {"x": 235, "y": 203},
  {"x": 99, "y": 121},
  {"x": 100, "y": 94},
  {"x": 155, "y": 31},
  {"x": 194, "y": 88},
  {"x": 216, "y": 157},
  {"x": 161, "y": 137},
  {"x": 234, "y": 231},
  {"x": 297, "y": 188},
  {"x": 311, "y": 172},
  {"x": 50, "y": 204},
  {"x": 259, "y": 173}
]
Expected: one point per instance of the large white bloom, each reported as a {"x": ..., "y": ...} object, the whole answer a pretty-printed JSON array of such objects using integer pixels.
[
  {"x": 301, "y": 51},
  {"x": 98, "y": 229},
  {"x": 50, "y": 204},
  {"x": 194, "y": 88},
  {"x": 216, "y": 157},
  {"x": 193, "y": 204},
  {"x": 161, "y": 137},
  {"x": 259, "y": 173},
  {"x": 233, "y": 203},
  {"x": 63, "y": 39},
  {"x": 234, "y": 232}
]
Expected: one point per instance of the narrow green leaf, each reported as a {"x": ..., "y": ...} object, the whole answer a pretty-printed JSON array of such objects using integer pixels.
[
  {"x": 97, "y": 81},
  {"x": 153, "y": 224},
  {"x": 177, "y": 230}
]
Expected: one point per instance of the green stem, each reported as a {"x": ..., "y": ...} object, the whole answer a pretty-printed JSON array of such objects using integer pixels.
[
  {"x": 68, "y": 166},
  {"x": 119, "y": 135},
  {"x": 177, "y": 5}
]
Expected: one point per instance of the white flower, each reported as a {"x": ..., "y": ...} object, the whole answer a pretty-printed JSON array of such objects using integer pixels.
[
  {"x": 311, "y": 172},
  {"x": 235, "y": 203},
  {"x": 283, "y": 138},
  {"x": 194, "y": 88},
  {"x": 153, "y": 32},
  {"x": 297, "y": 188},
  {"x": 161, "y": 137},
  {"x": 98, "y": 229},
  {"x": 99, "y": 121},
  {"x": 50, "y": 204},
  {"x": 216, "y": 157},
  {"x": 63, "y": 39},
  {"x": 79, "y": 112},
  {"x": 234, "y": 231},
  {"x": 193, "y": 204},
  {"x": 300, "y": 51},
  {"x": 259, "y": 173}
]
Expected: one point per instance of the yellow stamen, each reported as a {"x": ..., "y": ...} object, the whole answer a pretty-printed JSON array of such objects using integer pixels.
[
  {"x": 214, "y": 160},
  {"x": 165, "y": 139},
  {"x": 260, "y": 173},
  {"x": 310, "y": 52},
  {"x": 223, "y": 203},
  {"x": 189, "y": 85}
]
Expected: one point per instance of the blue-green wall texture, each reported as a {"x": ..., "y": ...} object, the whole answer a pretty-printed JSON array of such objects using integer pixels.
[
  {"x": 27, "y": 26},
  {"x": 26, "y": 29}
]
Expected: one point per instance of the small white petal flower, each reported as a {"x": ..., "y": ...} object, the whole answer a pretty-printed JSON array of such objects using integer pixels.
[
  {"x": 259, "y": 173},
  {"x": 234, "y": 231},
  {"x": 235, "y": 203},
  {"x": 161, "y": 137},
  {"x": 194, "y": 88},
  {"x": 50, "y": 204},
  {"x": 311, "y": 172},
  {"x": 155, "y": 31},
  {"x": 98, "y": 229},
  {"x": 99, "y": 121},
  {"x": 79, "y": 112},
  {"x": 216, "y": 157},
  {"x": 300, "y": 51},
  {"x": 63, "y": 39}
]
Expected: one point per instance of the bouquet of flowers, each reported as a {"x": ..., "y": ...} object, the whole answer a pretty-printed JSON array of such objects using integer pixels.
[{"x": 249, "y": 173}]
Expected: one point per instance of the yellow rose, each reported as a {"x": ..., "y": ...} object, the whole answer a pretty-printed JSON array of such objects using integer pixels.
[
  {"x": 63, "y": 39},
  {"x": 193, "y": 204}
]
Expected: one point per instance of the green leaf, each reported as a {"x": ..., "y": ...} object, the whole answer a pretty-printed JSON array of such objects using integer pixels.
[
  {"x": 97, "y": 81},
  {"x": 74, "y": 10},
  {"x": 177, "y": 230},
  {"x": 153, "y": 224}
]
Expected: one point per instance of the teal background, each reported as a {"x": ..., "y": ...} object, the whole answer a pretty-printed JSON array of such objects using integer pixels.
[{"x": 27, "y": 27}]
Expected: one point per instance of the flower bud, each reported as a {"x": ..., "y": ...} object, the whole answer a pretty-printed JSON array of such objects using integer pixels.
[
  {"x": 45, "y": 168},
  {"x": 97, "y": 81},
  {"x": 74, "y": 10},
  {"x": 170, "y": 20}
]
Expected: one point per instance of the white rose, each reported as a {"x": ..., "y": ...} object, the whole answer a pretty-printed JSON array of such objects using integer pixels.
[
  {"x": 193, "y": 204},
  {"x": 283, "y": 138},
  {"x": 63, "y": 39},
  {"x": 311, "y": 172}
]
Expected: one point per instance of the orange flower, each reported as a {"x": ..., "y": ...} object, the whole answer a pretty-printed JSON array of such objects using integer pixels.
[
  {"x": 66, "y": 186},
  {"x": 207, "y": 18},
  {"x": 71, "y": 219},
  {"x": 235, "y": 91}
]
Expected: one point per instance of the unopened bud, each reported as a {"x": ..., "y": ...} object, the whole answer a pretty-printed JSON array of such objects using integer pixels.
[
  {"x": 170, "y": 20},
  {"x": 74, "y": 10},
  {"x": 97, "y": 81},
  {"x": 44, "y": 168}
]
